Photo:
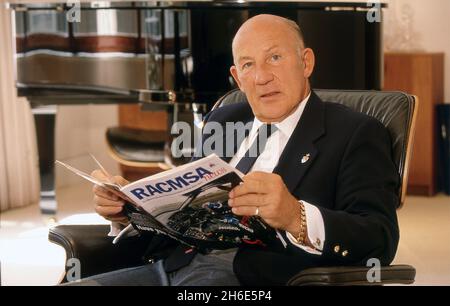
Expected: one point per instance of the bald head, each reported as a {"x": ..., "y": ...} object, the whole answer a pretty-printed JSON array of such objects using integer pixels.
[
  {"x": 272, "y": 66},
  {"x": 260, "y": 23}
]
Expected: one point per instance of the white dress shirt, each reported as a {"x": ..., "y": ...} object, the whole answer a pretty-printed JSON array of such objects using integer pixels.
[{"x": 267, "y": 161}]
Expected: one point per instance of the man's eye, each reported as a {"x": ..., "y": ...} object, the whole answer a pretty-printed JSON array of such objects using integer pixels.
[
  {"x": 246, "y": 65},
  {"x": 276, "y": 57}
]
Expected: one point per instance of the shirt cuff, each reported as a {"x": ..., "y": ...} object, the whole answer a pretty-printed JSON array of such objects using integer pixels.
[{"x": 316, "y": 230}]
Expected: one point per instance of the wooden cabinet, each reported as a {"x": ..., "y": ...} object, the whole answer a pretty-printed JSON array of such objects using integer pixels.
[{"x": 420, "y": 74}]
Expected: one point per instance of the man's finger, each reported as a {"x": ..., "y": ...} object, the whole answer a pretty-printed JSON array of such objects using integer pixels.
[
  {"x": 120, "y": 180},
  {"x": 246, "y": 211},
  {"x": 108, "y": 210},
  {"x": 270, "y": 179},
  {"x": 117, "y": 218},
  {"x": 248, "y": 186},
  {"x": 100, "y": 201},
  {"x": 259, "y": 175},
  {"x": 104, "y": 193},
  {"x": 251, "y": 199}
]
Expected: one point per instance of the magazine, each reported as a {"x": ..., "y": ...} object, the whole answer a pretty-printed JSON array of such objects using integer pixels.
[{"x": 189, "y": 204}]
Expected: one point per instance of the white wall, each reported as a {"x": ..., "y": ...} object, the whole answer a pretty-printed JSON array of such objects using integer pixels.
[
  {"x": 429, "y": 27},
  {"x": 80, "y": 130}
]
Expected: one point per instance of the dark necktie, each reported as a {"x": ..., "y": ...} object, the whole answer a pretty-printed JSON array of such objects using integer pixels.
[{"x": 257, "y": 147}]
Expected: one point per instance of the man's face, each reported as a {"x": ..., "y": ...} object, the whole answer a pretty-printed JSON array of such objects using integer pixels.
[{"x": 270, "y": 70}]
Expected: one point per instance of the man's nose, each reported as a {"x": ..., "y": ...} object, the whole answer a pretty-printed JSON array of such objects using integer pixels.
[{"x": 263, "y": 75}]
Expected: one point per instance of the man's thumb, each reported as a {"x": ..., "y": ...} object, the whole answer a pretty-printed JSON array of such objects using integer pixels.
[{"x": 120, "y": 180}]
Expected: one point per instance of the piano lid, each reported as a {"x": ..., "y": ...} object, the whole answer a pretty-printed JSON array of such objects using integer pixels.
[
  {"x": 27, "y": 4},
  {"x": 177, "y": 46}
]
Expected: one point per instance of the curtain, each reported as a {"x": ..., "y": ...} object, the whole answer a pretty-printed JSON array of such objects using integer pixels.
[{"x": 19, "y": 170}]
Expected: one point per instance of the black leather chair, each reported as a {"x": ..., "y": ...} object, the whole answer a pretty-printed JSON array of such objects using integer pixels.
[
  {"x": 396, "y": 110},
  {"x": 135, "y": 147}
]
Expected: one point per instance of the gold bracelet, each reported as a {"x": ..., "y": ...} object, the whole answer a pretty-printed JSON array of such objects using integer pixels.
[{"x": 302, "y": 235}]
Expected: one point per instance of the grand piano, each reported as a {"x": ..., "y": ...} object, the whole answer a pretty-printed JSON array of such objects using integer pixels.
[{"x": 162, "y": 54}]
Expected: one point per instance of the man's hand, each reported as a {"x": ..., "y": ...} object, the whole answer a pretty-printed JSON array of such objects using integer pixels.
[
  {"x": 267, "y": 194},
  {"x": 107, "y": 204}
]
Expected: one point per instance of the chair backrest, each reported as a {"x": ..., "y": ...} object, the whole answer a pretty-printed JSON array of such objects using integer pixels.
[{"x": 395, "y": 110}]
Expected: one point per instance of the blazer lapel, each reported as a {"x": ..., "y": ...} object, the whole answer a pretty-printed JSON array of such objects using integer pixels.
[{"x": 300, "y": 151}]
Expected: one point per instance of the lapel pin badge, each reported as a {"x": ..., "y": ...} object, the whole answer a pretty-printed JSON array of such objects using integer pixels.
[{"x": 305, "y": 158}]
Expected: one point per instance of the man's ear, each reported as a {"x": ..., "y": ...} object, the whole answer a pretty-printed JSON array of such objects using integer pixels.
[
  {"x": 234, "y": 73},
  {"x": 309, "y": 60}
]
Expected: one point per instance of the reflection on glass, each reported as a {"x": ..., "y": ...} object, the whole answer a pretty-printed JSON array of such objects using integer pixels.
[
  {"x": 46, "y": 22},
  {"x": 167, "y": 48}
]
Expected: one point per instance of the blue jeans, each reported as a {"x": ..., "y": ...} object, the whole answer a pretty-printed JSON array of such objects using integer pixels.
[{"x": 213, "y": 269}]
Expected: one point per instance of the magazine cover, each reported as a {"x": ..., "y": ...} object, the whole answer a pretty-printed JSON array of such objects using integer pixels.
[{"x": 189, "y": 204}]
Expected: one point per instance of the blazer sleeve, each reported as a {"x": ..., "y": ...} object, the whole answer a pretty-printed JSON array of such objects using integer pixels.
[{"x": 363, "y": 222}]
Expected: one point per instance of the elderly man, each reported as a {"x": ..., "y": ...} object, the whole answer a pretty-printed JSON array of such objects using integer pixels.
[{"x": 324, "y": 179}]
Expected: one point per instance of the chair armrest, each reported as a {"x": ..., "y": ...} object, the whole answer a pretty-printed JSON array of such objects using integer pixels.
[
  {"x": 347, "y": 276},
  {"x": 95, "y": 250}
]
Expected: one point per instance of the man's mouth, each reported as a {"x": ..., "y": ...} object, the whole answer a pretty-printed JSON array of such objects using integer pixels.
[{"x": 270, "y": 94}]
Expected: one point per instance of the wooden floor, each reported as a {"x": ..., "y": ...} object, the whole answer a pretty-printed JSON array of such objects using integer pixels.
[
  {"x": 27, "y": 258},
  {"x": 425, "y": 238}
]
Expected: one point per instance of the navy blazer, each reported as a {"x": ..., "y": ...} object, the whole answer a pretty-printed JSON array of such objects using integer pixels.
[{"x": 350, "y": 176}]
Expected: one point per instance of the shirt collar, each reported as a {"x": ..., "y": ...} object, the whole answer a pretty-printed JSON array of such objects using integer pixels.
[{"x": 286, "y": 126}]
